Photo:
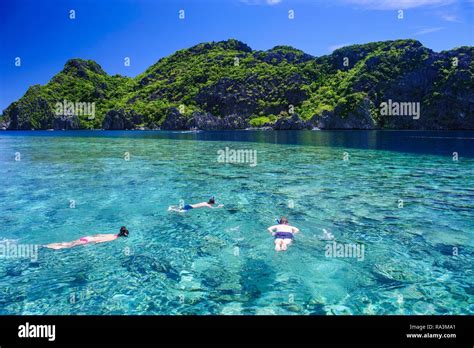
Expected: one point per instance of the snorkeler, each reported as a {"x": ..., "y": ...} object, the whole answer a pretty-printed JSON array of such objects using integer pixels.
[
  {"x": 96, "y": 238},
  {"x": 186, "y": 207},
  {"x": 283, "y": 234}
]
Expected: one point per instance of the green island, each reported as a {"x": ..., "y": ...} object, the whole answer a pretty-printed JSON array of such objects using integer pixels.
[{"x": 227, "y": 85}]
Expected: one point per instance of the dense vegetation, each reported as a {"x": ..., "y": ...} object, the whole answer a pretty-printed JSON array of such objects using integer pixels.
[{"x": 341, "y": 90}]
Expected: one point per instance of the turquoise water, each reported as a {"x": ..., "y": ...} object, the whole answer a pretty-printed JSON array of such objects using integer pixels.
[{"x": 400, "y": 195}]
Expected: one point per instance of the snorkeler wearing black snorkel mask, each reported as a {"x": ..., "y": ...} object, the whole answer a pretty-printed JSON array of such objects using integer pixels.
[
  {"x": 186, "y": 207},
  {"x": 96, "y": 238}
]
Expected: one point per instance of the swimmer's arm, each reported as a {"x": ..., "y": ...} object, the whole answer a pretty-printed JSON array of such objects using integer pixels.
[
  {"x": 219, "y": 206},
  {"x": 106, "y": 238},
  {"x": 295, "y": 230},
  {"x": 101, "y": 237},
  {"x": 100, "y": 241},
  {"x": 272, "y": 229}
]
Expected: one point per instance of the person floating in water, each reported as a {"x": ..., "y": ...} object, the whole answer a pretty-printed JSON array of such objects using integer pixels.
[
  {"x": 283, "y": 233},
  {"x": 186, "y": 207},
  {"x": 96, "y": 238}
]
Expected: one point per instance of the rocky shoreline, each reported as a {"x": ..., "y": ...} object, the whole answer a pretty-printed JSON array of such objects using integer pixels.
[{"x": 174, "y": 120}]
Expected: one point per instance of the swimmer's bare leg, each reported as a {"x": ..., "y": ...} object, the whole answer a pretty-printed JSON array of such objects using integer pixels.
[
  {"x": 286, "y": 243},
  {"x": 278, "y": 242},
  {"x": 64, "y": 245},
  {"x": 57, "y": 246},
  {"x": 176, "y": 209}
]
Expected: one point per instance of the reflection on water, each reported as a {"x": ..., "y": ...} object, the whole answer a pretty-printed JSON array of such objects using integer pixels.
[{"x": 442, "y": 143}]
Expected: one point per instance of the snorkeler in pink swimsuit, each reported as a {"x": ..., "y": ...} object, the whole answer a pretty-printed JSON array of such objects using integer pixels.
[{"x": 96, "y": 238}]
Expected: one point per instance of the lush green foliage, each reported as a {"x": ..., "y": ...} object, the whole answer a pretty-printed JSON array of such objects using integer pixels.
[{"x": 228, "y": 77}]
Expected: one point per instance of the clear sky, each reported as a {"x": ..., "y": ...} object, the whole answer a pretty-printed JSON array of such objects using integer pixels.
[{"x": 41, "y": 33}]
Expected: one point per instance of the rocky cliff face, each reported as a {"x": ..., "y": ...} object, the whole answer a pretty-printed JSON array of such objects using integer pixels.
[
  {"x": 121, "y": 120},
  {"x": 174, "y": 120},
  {"x": 66, "y": 123},
  {"x": 205, "y": 121},
  {"x": 227, "y": 85},
  {"x": 294, "y": 122},
  {"x": 359, "y": 117}
]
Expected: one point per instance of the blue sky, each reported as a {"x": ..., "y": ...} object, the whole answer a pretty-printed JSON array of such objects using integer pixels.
[{"x": 44, "y": 37}]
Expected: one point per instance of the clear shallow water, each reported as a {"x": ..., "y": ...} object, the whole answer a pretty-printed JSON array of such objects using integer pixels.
[{"x": 222, "y": 261}]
